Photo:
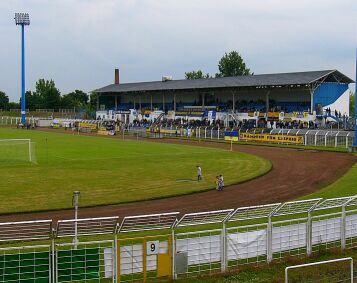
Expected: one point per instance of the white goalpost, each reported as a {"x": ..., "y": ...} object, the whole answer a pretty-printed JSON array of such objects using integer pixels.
[{"x": 17, "y": 150}]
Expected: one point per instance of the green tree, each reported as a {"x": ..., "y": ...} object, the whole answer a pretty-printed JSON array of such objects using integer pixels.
[
  {"x": 49, "y": 95},
  {"x": 231, "y": 65},
  {"x": 14, "y": 105},
  {"x": 352, "y": 103},
  {"x": 193, "y": 75},
  {"x": 33, "y": 100},
  {"x": 4, "y": 100},
  {"x": 93, "y": 98},
  {"x": 77, "y": 98}
]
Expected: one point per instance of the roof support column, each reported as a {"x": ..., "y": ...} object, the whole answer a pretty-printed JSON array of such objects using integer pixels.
[
  {"x": 267, "y": 106},
  {"x": 140, "y": 102},
  {"x": 163, "y": 102},
  {"x": 116, "y": 102},
  {"x": 175, "y": 101},
  {"x": 312, "y": 90},
  {"x": 151, "y": 101},
  {"x": 98, "y": 101},
  {"x": 233, "y": 102},
  {"x": 203, "y": 99},
  {"x": 134, "y": 103}
]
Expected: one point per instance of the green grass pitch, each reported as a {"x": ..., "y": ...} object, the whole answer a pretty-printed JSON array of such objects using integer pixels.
[{"x": 110, "y": 171}]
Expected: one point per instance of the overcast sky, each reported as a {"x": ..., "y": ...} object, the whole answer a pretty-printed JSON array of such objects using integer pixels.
[{"x": 78, "y": 43}]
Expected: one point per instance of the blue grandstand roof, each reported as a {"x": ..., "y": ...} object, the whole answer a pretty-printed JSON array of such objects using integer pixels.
[{"x": 264, "y": 80}]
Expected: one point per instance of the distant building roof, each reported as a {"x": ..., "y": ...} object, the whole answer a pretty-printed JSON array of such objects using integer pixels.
[{"x": 264, "y": 80}]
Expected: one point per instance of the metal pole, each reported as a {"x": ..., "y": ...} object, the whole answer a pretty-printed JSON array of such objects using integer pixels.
[
  {"x": 319, "y": 263},
  {"x": 53, "y": 263},
  {"x": 224, "y": 248},
  {"x": 343, "y": 227},
  {"x": 116, "y": 266},
  {"x": 355, "y": 139},
  {"x": 75, "y": 204},
  {"x": 23, "y": 105},
  {"x": 173, "y": 247},
  {"x": 309, "y": 234},
  {"x": 30, "y": 153},
  {"x": 269, "y": 240}
]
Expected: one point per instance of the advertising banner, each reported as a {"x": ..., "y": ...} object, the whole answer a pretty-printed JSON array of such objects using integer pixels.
[
  {"x": 272, "y": 138},
  {"x": 88, "y": 126},
  {"x": 231, "y": 135}
]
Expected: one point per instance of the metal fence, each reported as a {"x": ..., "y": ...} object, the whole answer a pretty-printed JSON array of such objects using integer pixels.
[
  {"x": 335, "y": 270},
  {"x": 321, "y": 138},
  {"x": 161, "y": 247}
]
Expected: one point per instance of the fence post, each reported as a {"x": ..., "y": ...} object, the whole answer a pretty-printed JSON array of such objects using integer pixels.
[
  {"x": 343, "y": 227},
  {"x": 53, "y": 263},
  {"x": 336, "y": 139},
  {"x": 116, "y": 261},
  {"x": 173, "y": 243},
  {"x": 347, "y": 139},
  {"x": 224, "y": 248},
  {"x": 269, "y": 240},
  {"x": 205, "y": 132},
  {"x": 218, "y": 134},
  {"x": 316, "y": 138},
  {"x": 211, "y": 133},
  {"x": 326, "y": 138},
  {"x": 309, "y": 234}
]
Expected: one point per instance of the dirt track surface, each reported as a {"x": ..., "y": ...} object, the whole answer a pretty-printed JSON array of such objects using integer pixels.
[{"x": 295, "y": 173}]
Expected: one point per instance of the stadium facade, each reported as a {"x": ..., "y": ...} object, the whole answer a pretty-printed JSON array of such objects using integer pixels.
[{"x": 303, "y": 92}]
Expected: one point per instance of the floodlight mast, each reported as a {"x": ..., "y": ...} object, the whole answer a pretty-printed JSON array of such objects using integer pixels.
[
  {"x": 355, "y": 139},
  {"x": 22, "y": 19}
]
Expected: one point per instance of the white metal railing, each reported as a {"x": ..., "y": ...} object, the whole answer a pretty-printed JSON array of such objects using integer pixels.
[
  {"x": 349, "y": 276},
  {"x": 322, "y": 138},
  {"x": 219, "y": 240}
]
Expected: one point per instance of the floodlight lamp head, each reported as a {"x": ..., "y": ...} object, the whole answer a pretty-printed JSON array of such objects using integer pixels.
[{"x": 22, "y": 19}]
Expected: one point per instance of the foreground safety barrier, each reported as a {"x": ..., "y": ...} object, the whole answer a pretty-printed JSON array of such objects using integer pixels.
[{"x": 167, "y": 246}]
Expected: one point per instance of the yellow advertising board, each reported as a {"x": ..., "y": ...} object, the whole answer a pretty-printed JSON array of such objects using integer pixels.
[
  {"x": 168, "y": 131},
  {"x": 272, "y": 138},
  {"x": 103, "y": 133},
  {"x": 228, "y": 138},
  {"x": 88, "y": 126},
  {"x": 273, "y": 114}
]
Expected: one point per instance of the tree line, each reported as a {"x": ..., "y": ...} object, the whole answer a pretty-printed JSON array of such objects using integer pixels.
[{"x": 48, "y": 96}]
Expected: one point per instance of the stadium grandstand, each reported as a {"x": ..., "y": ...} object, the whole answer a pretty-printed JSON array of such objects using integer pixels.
[{"x": 305, "y": 95}]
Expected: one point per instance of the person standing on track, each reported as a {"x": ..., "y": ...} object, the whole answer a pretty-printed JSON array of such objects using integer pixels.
[
  {"x": 199, "y": 173},
  {"x": 221, "y": 181},
  {"x": 217, "y": 183}
]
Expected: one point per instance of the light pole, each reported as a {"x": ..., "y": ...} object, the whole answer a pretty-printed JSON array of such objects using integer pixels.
[
  {"x": 75, "y": 200},
  {"x": 22, "y": 19},
  {"x": 355, "y": 139}
]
